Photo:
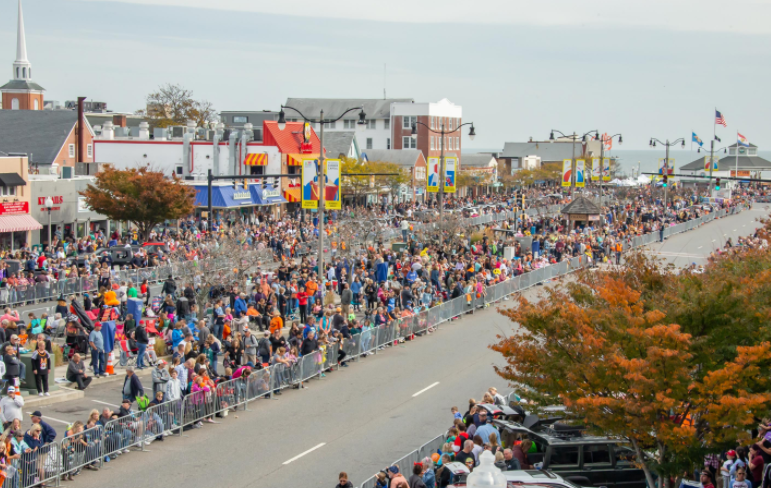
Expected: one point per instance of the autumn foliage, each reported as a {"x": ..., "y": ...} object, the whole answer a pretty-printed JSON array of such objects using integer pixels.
[
  {"x": 677, "y": 363},
  {"x": 144, "y": 197}
]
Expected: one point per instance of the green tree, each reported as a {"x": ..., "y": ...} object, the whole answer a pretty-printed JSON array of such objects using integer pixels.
[{"x": 141, "y": 196}]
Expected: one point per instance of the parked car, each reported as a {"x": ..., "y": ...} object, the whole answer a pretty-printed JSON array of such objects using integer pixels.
[
  {"x": 155, "y": 248},
  {"x": 538, "y": 476},
  {"x": 567, "y": 451}
]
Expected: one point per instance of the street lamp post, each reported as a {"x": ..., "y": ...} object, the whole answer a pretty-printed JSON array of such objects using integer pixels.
[
  {"x": 471, "y": 135},
  {"x": 49, "y": 205},
  {"x": 573, "y": 157},
  {"x": 665, "y": 170},
  {"x": 602, "y": 159},
  {"x": 321, "y": 121}
]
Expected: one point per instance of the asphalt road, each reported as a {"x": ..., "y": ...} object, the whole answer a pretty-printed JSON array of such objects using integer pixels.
[
  {"x": 695, "y": 246},
  {"x": 357, "y": 419}
]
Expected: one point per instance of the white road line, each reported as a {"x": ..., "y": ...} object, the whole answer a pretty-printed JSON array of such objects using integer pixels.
[
  {"x": 425, "y": 389},
  {"x": 57, "y": 420},
  {"x": 105, "y": 403},
  {"x": 304, "y": 453}
]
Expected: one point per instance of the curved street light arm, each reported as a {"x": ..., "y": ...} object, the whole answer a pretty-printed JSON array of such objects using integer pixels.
[
  {"x": 444, "y": 132},
  {"x": 314, "y": 121}
]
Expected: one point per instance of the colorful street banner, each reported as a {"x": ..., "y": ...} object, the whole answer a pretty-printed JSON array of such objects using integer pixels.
[
  {"x": 670, "y": 166},
  {"x": 606, "y": 169},
  {"x": 433, "y": 175},
  {"x": 567, "y": 165},
  {"x": 596, "y": 169},
  {"x": 332, "y": 185},
  {"x": 310, "y": 191},
  {"x": 450, "y": 169},
  {"x": 580, "y": 170},
  {"x": 715, "y": 160}
]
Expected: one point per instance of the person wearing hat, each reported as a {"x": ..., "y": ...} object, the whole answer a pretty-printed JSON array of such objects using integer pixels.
[
  {"x": 48, "y": 433},
  {"x": 132, "y": 387},
  {"x": 706, "y": 479},
  {"x": 396, "y": 477},
  {"x": 160, "y": 377},
  {"x": 10, "y": 407},
  {"x": 276, "y": 322},
  {"x": 96, "y": 341}
]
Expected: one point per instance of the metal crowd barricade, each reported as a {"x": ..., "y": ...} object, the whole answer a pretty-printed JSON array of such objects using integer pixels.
[
  {"x": 258, "y": 384},
  {"x": 81, "y": 449},
  {"x": 163, "y": 419},
  {"x": 330, "y": 356},
  {"x": 310, "y": 365},
  {"x": 406, "y": 463},
  {"x": 36, "y": 467},
  {"x": 122, "y": 433},
  {"x": 430, "y": 447},
  {"x": 198, "y": 406}
]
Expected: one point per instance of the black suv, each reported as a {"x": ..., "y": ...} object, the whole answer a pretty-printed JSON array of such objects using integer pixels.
[{"x": 585, "y": 460}]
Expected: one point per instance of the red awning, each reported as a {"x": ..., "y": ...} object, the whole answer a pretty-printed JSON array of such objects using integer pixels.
[{"x": 18, "y": 223}]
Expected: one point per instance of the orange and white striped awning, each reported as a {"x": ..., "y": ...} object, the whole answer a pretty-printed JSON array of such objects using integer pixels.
[
  {"x": 297, "y": 159},
  {"x": 292, "y": 192},
  {"x": 256, "y": 159}
]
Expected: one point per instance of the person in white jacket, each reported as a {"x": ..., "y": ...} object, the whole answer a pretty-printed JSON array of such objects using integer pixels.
[
  {"x": 10, "y": 407},
  {"x": 173, "y": 387}
]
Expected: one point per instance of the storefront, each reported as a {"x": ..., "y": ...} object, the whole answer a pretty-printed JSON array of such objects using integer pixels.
[
  {"x": 70, "y": 216},
  {"x": 16, "y": 224},
  {"x": 231, "y": 204}
]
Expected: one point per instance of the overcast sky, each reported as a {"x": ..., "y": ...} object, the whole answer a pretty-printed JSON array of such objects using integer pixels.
[{"x": 643, "y": 68}]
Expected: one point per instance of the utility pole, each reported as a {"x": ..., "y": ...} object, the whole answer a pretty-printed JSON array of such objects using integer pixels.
[{"x": 322, "y": 176}]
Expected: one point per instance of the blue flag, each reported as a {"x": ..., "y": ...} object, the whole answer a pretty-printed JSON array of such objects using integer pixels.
[{"x": 697, "y": 139}]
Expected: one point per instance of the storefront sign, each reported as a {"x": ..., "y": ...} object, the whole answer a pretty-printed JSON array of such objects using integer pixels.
[
  {"x": 14, "y": 208},
  {"x": 742, "y": 174},
  {"x": 58, "y": 200},
  {"x": 271, "y": 193},
  {"x": 241, "y": 195}
]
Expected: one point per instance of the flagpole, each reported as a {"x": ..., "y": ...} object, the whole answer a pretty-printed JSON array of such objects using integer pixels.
[{"x": 737, "y": 159}]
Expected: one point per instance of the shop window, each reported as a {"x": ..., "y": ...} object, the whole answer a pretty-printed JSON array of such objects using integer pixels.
[
  {"x": 256, "y": 170},
  {"x": 369, "y": 143},
  {"x": 72, "y": 150}
]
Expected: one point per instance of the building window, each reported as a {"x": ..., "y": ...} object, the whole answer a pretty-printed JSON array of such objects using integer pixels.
[
  {"x": 224, "y": 119},
  {"x": 179, "y": 170},
  {"x": 330, "y": 125},
  {"x": 37, "y": 104},
  {"x": 432, "y": 122},
  {"x": 349, "y": 123},
  {"x": 256, "y": 170},
  {"x": 371, "y": 124},
  {"x": 72, "y": 150},
  {"x": 90, "y": 150},
  {"x": 17, "y": 72},
  {"x": 432, "y": 143},
  {"x": 24, "y": 72},
  {"x": 7, "y": 191},
  {"x": 457, "y": 143},
  {"x": 240, "y": 120},
  {"x": 409, "y": 121},
  {"x": 388, "y": 143},
  {"x": 369, "y": 143},
  {"x": 409, "y": 143},
  {"x": 387, "y": 123},
  {"x": 15, "y": 104}
]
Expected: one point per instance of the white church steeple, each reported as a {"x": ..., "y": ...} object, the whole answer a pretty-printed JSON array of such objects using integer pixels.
[{"x": 22, "y": 69}]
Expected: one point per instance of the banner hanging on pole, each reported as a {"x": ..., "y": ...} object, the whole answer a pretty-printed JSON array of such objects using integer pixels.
[
  {"x": 606, "y": 169},
  {"x": 433, "y": 175},
  {"x": 566, "y": 167},
  {"x": 596, "y": 169},
  {"x": 670, "y": 166},
  {"x": 310, "y": 193},
  {"x": 332, "y": 188},
  {"x": 450, "y": 167},
  {"x": 580, "y": 171}
]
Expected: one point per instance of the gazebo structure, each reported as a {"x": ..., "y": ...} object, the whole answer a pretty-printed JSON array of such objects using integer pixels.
[{"x": 581, "y": 209}]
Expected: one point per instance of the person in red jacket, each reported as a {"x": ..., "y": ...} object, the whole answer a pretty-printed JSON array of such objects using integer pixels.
[{"x": 302, "y": 299}]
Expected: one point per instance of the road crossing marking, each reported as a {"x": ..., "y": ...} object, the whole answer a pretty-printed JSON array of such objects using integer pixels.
[
  {"x": 425, "y": 389},
  {"x": 57, "y": 420},
  {"x": 304, "y": 453},
  {"x": 105, "y": 403}
]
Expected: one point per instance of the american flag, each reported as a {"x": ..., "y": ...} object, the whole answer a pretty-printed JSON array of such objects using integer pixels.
[{"x": 719, "y": 119}]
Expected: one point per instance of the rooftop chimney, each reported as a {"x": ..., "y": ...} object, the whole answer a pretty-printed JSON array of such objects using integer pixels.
[
  {"x": 81, "y": 149},
  {"x": 119, "y": 120}
]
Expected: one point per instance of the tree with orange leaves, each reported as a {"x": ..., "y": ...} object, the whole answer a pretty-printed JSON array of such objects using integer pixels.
[
  {"x": 606, "y": 347},
  {"x": 141, "y": 196}
]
